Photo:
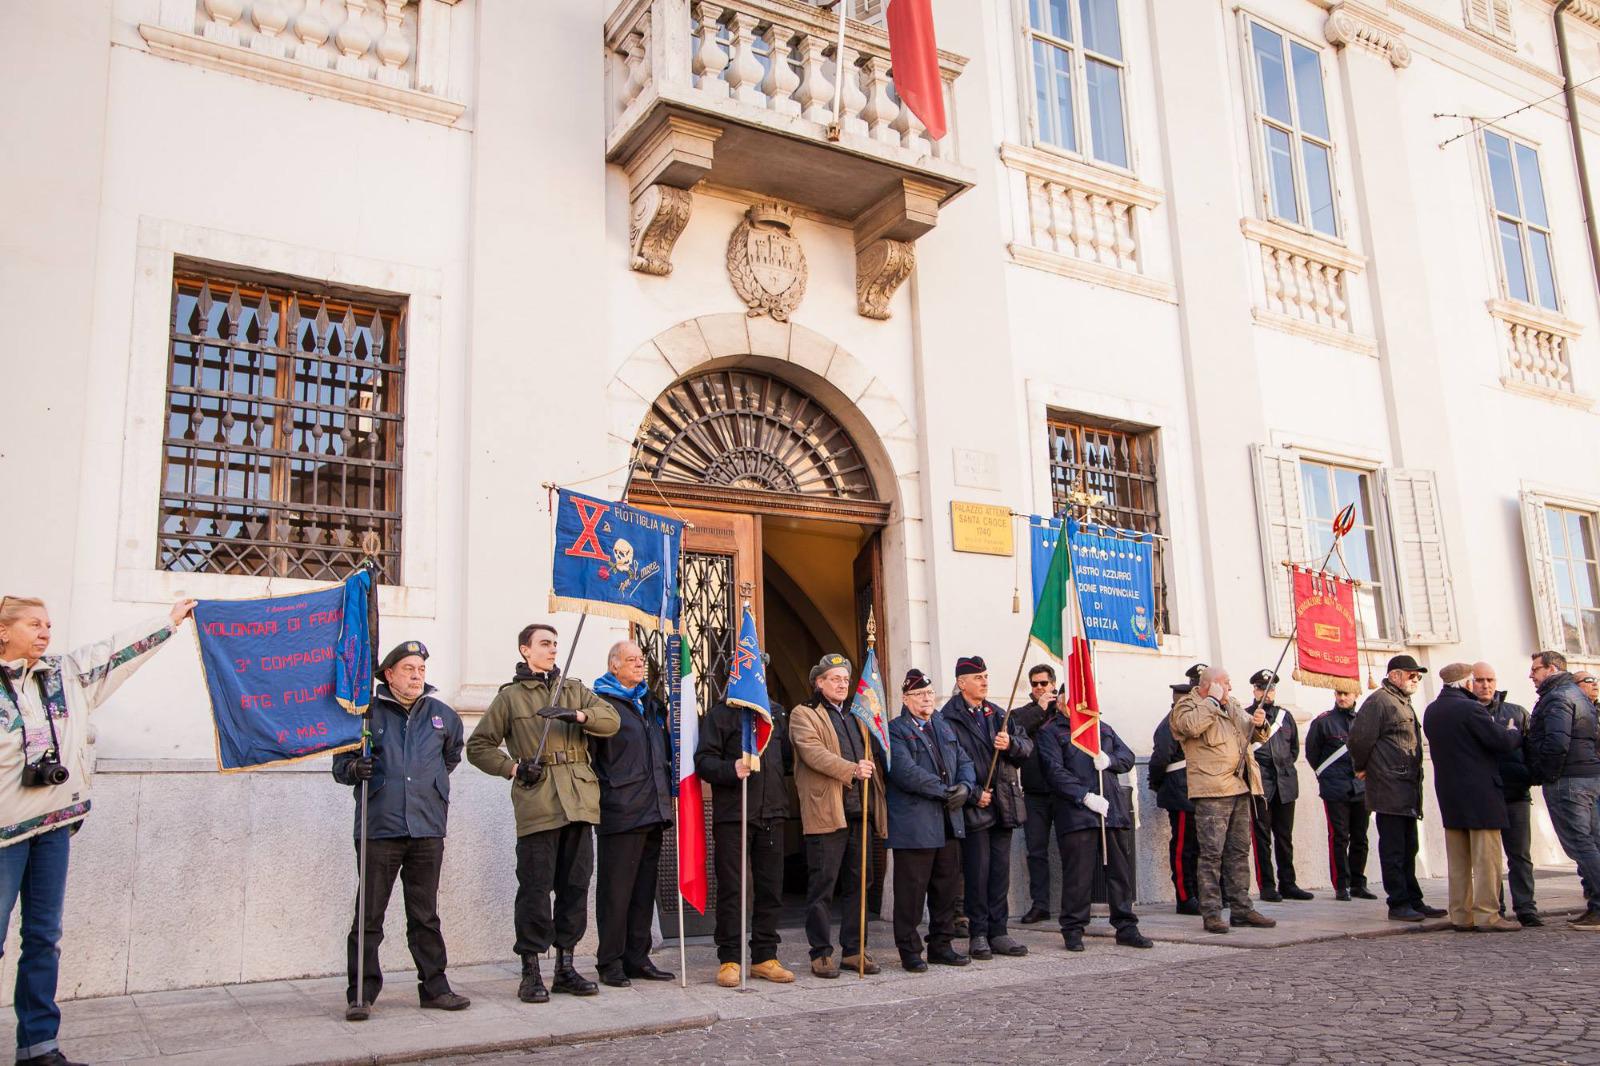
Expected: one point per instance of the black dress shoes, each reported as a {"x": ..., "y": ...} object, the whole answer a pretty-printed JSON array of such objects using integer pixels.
[
  {"x": 1073, "y": 940},
  {"x": 612, "y": 975},
  {"x": 913, "y": 964},
  {"x": 1132, "y": 938},
  {"x": 1034, "y": 916},
  {"x": 946, "y": 956},
  {"x": 1295, "y": 892},
  {"x": 1362, "y": 892},
  {"x": 648, "y": 971}
]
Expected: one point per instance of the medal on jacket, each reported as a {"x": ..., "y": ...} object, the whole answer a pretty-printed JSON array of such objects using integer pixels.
[{"x": 438, "y": 721}]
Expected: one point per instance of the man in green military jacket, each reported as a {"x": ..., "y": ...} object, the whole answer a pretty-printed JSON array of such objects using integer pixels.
[{"x": 544, "y": 721}]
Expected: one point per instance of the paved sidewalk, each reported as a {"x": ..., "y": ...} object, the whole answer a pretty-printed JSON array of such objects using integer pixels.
[{"x": 288, "y": 1023}]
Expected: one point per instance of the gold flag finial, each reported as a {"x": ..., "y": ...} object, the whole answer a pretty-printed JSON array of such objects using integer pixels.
[{"x": 872, "y": 627}]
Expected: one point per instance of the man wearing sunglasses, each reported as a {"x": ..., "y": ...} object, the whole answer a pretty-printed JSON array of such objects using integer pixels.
[
  {"x": 1031, "y": 717},
  {"x": 1386, "y": 751}
]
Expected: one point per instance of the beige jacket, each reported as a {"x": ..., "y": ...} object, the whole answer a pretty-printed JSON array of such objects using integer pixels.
[
  {"x": 1216, "y": 742},
  {"x": 821, "y": 774}
]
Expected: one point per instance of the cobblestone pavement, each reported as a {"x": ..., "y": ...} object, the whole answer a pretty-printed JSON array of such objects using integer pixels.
[{"x": 1445, "y": 998}]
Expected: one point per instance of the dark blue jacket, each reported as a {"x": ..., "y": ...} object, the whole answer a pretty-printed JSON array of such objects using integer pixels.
[
  {"x": 409, "y": 795},
  {"x": 634, "y": 765},
  {"x": 976, "y": 732},
  {"x": 917, "y": 814},
  {"x": 1328, "y": 732},
  {"x": 1072, "y": 776},
  {"x": 1513, "y": 764},
  {"x": 1170, "y": 786},
  {"x": 1562, "y": 732},
  {"x": 1466, "y": 744},
  {"x": 1280, "y": 783}
]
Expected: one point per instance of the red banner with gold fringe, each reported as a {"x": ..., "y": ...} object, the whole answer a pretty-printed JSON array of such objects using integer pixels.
[{"x": 1325, "y": 631}]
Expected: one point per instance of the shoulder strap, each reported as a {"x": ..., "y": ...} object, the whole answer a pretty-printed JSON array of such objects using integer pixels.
[{"x": 1277, "y": 724}]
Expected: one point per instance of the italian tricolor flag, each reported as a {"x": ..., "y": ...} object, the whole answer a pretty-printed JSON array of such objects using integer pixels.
[
  {"x": 1059, "y": 632},
  {"x": 691, "y": 815}
]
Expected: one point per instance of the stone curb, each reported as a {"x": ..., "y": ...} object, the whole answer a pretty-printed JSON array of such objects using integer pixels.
[{"x": 487, "y": 1047}]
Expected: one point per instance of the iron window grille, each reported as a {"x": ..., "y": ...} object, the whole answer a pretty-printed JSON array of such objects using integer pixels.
[
  {"x": 1119, "y": 466},
  {"x": 283, "y": 428}
]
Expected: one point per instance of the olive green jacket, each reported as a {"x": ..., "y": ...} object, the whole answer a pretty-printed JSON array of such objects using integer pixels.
[{"x": 569, "y": 790}]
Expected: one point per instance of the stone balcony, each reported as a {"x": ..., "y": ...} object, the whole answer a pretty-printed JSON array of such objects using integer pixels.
[{"x": 740, "y": 95}]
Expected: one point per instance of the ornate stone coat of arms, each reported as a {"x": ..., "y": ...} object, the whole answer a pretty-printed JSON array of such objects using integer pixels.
[{"x": 766, "y": 263}]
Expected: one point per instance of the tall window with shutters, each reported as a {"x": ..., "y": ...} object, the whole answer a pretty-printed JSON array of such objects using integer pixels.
[
  {"x": 1396, "y": 548},
  {"x": 1327, "y": 489},
  {"x": 1108, "y": 474},
  {"x": 1078, "y": 74},
  {"x": 1294, "y": 139},
  {"x": 1564, "y": 564},
  {"x": 1492, "y": 18},
  {"x": 1521, "y": 220},
  {"x": 283, "y": 442}
]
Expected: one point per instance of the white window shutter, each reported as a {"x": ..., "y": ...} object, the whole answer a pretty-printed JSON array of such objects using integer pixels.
[
  {"x": 1541, "y": 574},
  {"x": 1502, "y": 20},
  {"x": 1427, "y": 599},
  {"x": 1282, "y": 519}
]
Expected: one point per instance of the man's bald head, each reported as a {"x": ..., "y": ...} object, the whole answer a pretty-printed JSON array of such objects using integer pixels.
[
  {"x": 1211, "y": 677},
  {"x": 1483, "y": 682}
]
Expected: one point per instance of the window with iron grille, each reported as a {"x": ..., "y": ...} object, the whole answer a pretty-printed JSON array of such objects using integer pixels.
[
  {"x": 1118, "y": 465},
  {"x": 283, "y": 432}
]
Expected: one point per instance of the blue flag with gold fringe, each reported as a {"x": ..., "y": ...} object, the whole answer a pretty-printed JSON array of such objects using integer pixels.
[
  {"x": 615, "y": 560},
  {"x": 747, "y": 689}
]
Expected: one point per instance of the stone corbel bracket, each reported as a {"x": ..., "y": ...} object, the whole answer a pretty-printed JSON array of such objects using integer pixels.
[
  {"x": 1351, "y": 22},
  {"x": 885, "y": 250},
  {"x": 660, "y": 173}
]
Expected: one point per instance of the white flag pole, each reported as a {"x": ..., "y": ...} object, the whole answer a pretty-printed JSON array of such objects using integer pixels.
[{"x": 838, "y": 74}]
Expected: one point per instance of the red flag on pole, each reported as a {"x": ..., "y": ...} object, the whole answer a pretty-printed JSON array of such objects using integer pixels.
[{"x": 915, "y": 58}]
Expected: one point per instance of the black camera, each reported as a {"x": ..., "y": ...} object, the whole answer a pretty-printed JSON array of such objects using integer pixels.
[{"x": 44, "y": 772}]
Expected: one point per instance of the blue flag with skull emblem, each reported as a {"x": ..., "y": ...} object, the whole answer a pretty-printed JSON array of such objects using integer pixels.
[{"x": 615, "y": 560}]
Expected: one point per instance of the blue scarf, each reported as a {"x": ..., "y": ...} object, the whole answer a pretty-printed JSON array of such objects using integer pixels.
[{"x": 608, "y": 685}]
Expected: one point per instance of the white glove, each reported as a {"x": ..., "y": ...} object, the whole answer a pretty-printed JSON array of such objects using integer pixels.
[
  {"x": 1096, "y": 803},
  {"x": 1101, "y": 760}
]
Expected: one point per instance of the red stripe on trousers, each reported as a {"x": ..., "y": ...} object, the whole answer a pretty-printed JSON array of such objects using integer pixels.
[
  {"x": 1177, "y": 860},
  {"x": 1333, "y": 857},
  {"x": 1255, "y": 852}
]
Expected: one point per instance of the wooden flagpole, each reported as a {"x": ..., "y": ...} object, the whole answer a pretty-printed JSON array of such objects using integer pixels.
[{"x": 866, "y": 818}]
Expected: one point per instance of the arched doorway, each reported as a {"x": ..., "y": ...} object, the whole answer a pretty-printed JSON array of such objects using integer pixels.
[{"x": 784, "y": 509}]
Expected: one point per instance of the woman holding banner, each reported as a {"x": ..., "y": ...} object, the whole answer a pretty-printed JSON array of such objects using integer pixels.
[{"x": 45, "y": 702}]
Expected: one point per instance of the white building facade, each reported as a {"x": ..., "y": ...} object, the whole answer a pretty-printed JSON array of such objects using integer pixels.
[{"x": 291, "y": 281}]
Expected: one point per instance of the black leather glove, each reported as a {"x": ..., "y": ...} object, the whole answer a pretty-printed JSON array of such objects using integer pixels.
[
  {"x": 528, "y": 772},
  {"x": 955, "y": 797},
  {"x": 559, "y": 714},
  {"x": 363, "y": 767}
]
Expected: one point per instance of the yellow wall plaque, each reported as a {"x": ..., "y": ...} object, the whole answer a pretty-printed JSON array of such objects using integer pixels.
[{"x": 981, "y": 527}]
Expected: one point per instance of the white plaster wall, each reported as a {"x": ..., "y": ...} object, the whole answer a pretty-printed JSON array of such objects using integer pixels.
[{"x": 184, "y": 876}]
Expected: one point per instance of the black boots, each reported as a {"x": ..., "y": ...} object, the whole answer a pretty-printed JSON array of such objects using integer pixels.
[
  {"x": 532, "y": 989},
  {"x": 567, "y": 979}
]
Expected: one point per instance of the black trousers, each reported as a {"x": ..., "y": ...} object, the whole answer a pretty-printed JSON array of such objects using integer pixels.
[
  {"x": 1517, "y": 840},
  {"x": 625, "y": 894},
  {"x": 416, "y": 860},
  {"x": 833, "y": 862},
  {"x": 1347, "y": 842},
  {"x": 766, "y": 889},
  {"x": 1272, "y": 837},
  {"x": 930, "y": 875},
  {"x": 1397, "y": 853},
  {"x": 1080, "y": 858},
  {"x": 558, "y": 862},
  {"x": 986, "y": 872},
  {"x": 1183, "y": 855},
  {"x": 1036, "y": 835}
]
